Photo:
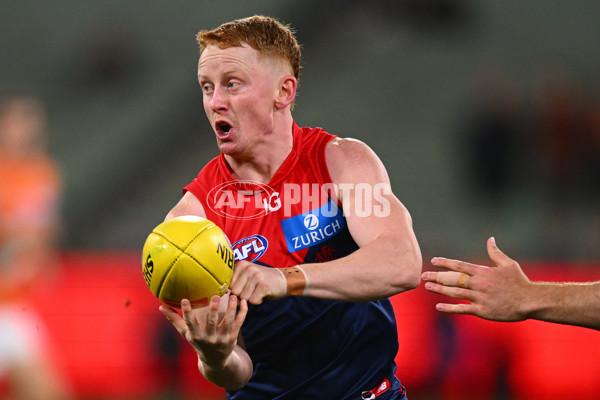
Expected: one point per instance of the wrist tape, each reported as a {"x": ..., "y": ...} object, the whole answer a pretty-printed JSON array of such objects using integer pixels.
[{"x": 296, "y": 280}]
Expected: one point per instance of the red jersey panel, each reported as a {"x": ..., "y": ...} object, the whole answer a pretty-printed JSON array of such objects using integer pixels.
[{"x": 280, "y": 223}]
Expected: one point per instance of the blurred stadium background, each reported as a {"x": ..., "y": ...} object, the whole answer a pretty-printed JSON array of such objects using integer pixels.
[{"x": 486, "y": 114}]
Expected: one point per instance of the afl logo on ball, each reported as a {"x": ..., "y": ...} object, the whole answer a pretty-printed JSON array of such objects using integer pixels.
[{"x": 250, "y": 248}]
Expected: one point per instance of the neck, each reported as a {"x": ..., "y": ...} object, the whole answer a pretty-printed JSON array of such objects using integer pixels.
[{"x": 266, "y": 157}]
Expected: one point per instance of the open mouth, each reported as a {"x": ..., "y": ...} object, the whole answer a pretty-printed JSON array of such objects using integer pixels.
[{"x": 223, "y": 128}]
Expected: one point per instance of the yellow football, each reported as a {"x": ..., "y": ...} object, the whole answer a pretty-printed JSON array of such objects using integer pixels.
[{"x": 187, "y": 257}]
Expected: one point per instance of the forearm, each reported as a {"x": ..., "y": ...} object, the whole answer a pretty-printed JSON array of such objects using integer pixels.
[
  {"x": 566, "y": 303},
  {"x": 234, "y": 373},
  {"x": 380, "y": 269}
]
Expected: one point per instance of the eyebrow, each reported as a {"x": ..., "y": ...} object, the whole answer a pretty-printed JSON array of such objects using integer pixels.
[{"x": 228, "y": 73}]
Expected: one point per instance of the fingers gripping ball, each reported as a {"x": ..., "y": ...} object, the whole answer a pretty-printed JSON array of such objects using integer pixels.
[{"x": 187, "y": 257}]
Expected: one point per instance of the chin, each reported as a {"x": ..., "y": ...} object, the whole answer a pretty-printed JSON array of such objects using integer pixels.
[{"x": 228, "y": 148}]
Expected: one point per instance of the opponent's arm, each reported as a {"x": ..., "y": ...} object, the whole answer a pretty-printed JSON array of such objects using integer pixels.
[
  {"x": 571, "y": 303},
  {"x": 503, "y": 292}
]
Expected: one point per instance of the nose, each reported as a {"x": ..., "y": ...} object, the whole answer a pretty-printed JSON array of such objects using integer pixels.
[{"x": 218, "y": 100}]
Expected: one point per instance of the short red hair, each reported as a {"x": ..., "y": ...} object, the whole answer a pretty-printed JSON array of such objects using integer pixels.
[{"x": 264, "y": 34}]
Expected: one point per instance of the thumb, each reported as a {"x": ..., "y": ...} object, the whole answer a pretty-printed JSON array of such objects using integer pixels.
[{"x": 495, "y": 254}]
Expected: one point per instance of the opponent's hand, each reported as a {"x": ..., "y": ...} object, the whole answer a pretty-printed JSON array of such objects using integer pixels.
[
  {"x": 212, "y": 330},
  {"x": 254, "y": 282},
  {"x": 496, "y": 293}
]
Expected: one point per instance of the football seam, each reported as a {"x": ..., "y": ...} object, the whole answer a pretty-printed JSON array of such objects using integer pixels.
[{"x": 182, "y": 250}]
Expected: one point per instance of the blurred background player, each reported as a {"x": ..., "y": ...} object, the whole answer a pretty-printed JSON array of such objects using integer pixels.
[{"x": 30, "y": 188}]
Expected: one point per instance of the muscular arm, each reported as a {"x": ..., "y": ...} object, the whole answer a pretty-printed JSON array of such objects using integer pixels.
[
  {"x": 503, "y": 292},
  {"x": 388, "y": 260}
]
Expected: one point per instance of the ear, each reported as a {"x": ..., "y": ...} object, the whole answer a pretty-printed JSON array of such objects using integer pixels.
[{"x": 286, "y": 92}]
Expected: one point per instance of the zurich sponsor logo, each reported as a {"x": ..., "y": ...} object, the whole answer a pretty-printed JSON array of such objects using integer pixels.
[
  {"x": 313, "y": 227},
  {"x": 250, "y": 248},
  {"x": 311, "y": 222}
]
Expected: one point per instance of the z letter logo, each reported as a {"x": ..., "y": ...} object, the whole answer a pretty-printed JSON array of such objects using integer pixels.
[{"x": 311, "y": 222}]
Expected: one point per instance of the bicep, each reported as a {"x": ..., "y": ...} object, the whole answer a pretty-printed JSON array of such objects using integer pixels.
[
  {"x": 370, "y": 207},
  {"x": 393, "y": 221}
]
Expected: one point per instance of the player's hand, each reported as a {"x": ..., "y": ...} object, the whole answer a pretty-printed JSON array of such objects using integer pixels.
[
  {"x": 254, "y": 282},
  {"x": 212, "y": 330},
  {"x": 495, "y": 293}
]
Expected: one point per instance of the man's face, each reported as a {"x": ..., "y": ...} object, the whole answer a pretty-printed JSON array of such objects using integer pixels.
[
  {"x": 239, "y": 89},
  {"x": 21, "y": 126}
]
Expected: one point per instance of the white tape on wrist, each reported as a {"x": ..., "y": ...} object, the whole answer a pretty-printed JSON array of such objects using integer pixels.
[
  {"x": 282, "y": 276},
  {"x": 306, "y": 278}
]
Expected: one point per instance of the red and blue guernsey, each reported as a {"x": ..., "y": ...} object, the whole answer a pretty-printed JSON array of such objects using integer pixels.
[{"x": 301, "y": 347}]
